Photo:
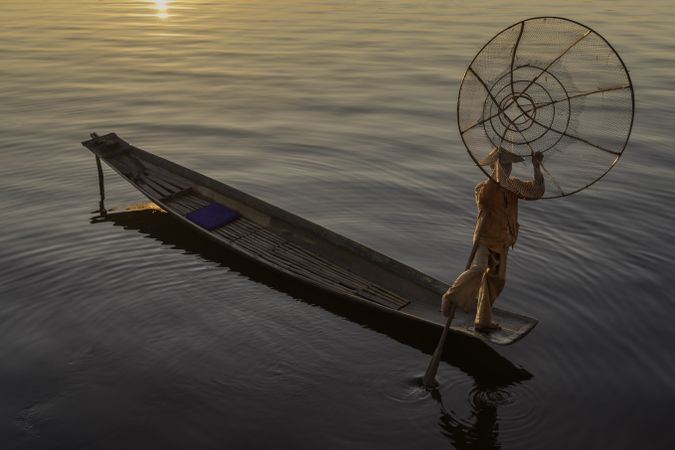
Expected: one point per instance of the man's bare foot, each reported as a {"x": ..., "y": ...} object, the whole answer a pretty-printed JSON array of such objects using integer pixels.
[{"x": 487, "y": 328}]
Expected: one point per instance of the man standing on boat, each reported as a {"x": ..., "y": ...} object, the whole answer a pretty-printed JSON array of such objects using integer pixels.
[{"x": 497, "y": 204}]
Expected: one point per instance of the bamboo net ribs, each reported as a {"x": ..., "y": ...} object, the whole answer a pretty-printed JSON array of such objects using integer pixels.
[{"x": 554, "y": 86}]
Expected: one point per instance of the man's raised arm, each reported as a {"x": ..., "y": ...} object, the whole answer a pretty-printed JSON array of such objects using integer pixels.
[{"x": 529, "y": 190}]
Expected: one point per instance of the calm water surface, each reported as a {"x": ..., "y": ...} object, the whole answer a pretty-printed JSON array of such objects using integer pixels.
[{"x": 134, "y": 333}]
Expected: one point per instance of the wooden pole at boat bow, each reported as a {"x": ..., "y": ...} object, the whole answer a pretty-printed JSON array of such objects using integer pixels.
[
  {"x": 101, "y": 188},
  {"x": 101, "y": 185},
  {"x": 429, "y": 380}
]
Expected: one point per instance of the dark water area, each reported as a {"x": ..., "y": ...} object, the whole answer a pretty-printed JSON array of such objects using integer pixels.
[{"x": 134, "y": 332}]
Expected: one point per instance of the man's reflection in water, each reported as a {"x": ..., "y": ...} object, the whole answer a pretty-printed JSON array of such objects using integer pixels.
[{"x": 479, "y": 431}]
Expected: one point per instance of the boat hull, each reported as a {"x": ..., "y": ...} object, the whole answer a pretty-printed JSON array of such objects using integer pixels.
[{"x": 290, "y": 245}]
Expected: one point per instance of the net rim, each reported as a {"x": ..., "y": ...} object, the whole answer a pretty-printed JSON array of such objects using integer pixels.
[{"x": 629, "y": 87}]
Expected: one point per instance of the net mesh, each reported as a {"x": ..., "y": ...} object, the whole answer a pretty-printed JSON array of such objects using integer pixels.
[{"x": 553, "y": 86}]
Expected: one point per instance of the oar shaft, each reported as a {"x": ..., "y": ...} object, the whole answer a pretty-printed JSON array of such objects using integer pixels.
[{"x": 429, "y": 379}]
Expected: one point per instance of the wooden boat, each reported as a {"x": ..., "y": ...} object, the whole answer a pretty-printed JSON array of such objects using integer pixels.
[{"x": 291, "y": 245}]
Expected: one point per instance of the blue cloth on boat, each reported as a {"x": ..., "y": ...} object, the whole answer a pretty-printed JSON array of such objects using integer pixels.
[{"x": 213, "y": 216}]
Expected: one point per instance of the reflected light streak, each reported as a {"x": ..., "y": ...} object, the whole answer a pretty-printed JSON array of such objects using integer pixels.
[{"x": 162, "y": 7}]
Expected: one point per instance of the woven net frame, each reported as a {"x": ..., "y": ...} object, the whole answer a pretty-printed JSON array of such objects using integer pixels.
[{"x": 549, "y": 85}]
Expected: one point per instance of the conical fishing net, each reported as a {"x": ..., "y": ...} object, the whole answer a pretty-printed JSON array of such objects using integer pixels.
[{"x": 548, "y": 85}]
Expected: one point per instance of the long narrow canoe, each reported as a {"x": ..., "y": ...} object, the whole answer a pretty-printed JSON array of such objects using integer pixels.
[{"x": 290, "y": 245}]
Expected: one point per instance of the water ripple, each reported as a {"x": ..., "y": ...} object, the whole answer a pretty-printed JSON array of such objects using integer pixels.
[{"x": 345, "y": 114}]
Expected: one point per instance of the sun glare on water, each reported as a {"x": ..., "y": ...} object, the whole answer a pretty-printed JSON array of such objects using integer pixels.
[{"x": 162, "y": 7}]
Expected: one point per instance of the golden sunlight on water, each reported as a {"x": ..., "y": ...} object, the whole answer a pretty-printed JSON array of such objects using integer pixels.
[
  {"x": 162, "y": 8},
  {"x": 343, "y": 112}
]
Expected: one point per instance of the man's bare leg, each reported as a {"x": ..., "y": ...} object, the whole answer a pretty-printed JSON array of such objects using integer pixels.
[{"x": 483, "y": 321}]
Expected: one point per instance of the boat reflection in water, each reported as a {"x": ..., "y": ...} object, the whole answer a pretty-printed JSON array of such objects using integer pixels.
[{"x": 492, "y": 374}]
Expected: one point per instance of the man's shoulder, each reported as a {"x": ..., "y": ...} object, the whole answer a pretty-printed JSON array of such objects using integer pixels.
[
  {"x": 481, "y": 185},
  {"x": 487, "y": 185},
  {"x": 485, "y": 190}
]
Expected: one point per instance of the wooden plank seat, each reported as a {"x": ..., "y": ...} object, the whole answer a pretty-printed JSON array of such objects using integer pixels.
[{"x": 158, "y": 182}]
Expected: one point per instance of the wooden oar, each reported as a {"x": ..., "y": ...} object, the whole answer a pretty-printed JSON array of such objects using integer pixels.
[{"x": 429, "y": 380}]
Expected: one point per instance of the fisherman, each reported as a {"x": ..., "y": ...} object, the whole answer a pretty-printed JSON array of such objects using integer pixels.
[{"x": 485, "y": 278}]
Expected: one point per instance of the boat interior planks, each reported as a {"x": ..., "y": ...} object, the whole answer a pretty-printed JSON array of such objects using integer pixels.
[
  {"x": 292, "y": 246},
  {"x": 271, "y": 248}
]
